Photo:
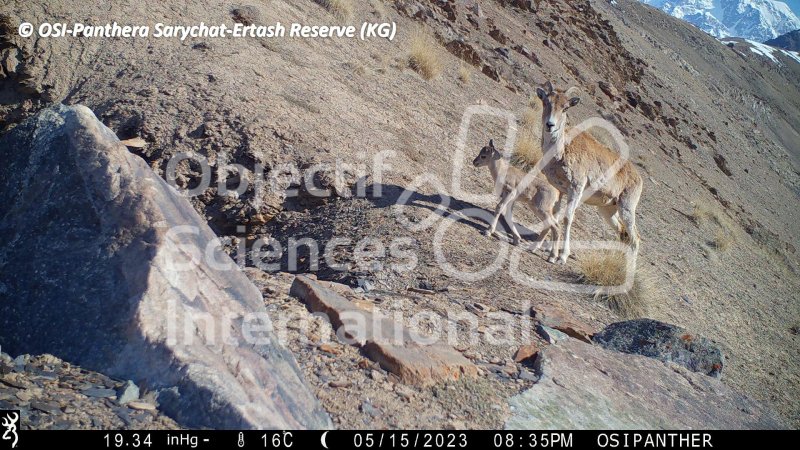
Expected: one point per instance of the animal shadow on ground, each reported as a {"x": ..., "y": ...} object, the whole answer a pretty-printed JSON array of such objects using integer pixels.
[
  {"x": 323, "y": 219},
  {"x": 460, "y": 211}
]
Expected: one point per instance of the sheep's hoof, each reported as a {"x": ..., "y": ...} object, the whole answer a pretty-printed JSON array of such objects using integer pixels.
[
  {"x": 552, "y": 259},
  {"x": 515, "y": 241},
  {"x": 562, "y": 260},
  {"x": 488, "y": 232}
]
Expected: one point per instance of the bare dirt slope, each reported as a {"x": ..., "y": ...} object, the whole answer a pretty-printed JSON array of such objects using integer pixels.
[{"x": 712, "y": 129}]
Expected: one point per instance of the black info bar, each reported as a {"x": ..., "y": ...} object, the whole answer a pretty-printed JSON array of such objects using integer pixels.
[{"x": 339, "y": 439}]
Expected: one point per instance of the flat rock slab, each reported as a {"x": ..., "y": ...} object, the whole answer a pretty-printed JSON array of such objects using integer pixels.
[
  {"x": 411, "y": 358},
  {"x": 105, "y": 265},
  {"x": 665, "y": 342},
  {"x": 585, "y": 386},
  {"x": 553, "y": 317}
]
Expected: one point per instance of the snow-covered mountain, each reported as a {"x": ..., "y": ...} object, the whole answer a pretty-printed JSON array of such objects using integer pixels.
[{"x": 759, "y": 20}]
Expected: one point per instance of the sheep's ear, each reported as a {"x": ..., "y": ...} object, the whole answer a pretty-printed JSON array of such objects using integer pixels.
[
  {"x": 541, "y": 93},
  {"x": 491, "y": 143},
  {"x": 549, "y": 86},
  {"x": 574, "y": 101}
]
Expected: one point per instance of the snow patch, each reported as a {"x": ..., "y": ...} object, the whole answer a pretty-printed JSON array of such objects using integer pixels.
[
  {"x": 794, "y": 55},
  {"x": 764, "y": 50}
]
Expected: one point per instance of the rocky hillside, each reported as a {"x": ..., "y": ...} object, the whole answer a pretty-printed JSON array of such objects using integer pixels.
[
  {"x": 788, "y": 41},
  {"x": 713, "y": 130},
  {"x": 54, "y": 394}
]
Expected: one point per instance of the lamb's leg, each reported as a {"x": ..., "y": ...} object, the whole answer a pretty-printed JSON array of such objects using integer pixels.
[
  {"x": 544, "y": 205},
  {"x": 574, "y": 197},
  {"x": 555, "y": 231},
  {"x": 555, "y": 235},
  {"x": 504, "y": 201},
  {"x": 545, "y": 218},
  {"x": 509, "y": 216}
]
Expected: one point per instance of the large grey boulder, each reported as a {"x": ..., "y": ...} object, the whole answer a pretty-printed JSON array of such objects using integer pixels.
[
  {"x": 665, "y": 342},
  {"x": 104, "y": 265},
  {"x": 585, "y": 386}
]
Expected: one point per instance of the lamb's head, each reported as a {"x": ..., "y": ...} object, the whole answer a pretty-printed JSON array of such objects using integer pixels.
[
  {"x": 488, "y": 154},
  {"x": 555, "y": 103}
]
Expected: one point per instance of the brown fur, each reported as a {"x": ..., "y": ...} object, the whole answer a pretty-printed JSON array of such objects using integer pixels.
[
  {"x": 538, "y": 194},
  {"x": 581, "y": 165}
]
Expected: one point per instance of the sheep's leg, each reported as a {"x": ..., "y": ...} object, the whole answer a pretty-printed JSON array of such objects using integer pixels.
[
  {"x": 611, "y": 216},
  {"x": 627, "y": 212},
  {"x": 555, "y": 227},
  {"x": 574, "y": 197}
]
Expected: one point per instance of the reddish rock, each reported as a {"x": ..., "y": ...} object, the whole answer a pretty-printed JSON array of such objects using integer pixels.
[
  {"x": 525, "y": 352},
  {"x": 328, "y": 348},
  {"x": 491, "y": 72},
  {"x": 555, "y": 318},
  {"x": 608, "y": 89},
  {"x": 383, "y": 340},
  {"x": 526, "y": 52},
  {"x": 464, "y": 51},
  {"x": 498, "y": 36}
]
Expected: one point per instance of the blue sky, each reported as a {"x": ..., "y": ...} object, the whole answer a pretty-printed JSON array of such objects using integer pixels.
[{"x": 795, "y": 5}]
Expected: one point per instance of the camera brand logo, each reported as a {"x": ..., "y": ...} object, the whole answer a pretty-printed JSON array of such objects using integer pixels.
[{"x": 9, "y": 421}]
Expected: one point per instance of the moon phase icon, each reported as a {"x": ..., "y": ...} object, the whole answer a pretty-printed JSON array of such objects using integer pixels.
[{"x": 322, "y": 440}]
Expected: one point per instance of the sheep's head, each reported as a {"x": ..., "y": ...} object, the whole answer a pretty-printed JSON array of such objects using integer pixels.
[{"x": 555, "y": 103}]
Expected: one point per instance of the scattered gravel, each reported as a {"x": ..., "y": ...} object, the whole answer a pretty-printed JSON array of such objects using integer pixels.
[{"x": 53, "y": 394}]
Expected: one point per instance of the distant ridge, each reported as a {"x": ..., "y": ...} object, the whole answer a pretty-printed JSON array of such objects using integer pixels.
[{"x": 788, "y": 41}]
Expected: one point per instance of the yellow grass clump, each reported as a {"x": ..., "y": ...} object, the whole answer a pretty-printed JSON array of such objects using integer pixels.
[
  {"x": 527, "y": 148},
  {"x": 425, "y": 55},
  {"x": 609, "y": 269},
  {"x": 723, "y": 230},
  {"x": 464, "y": 73}
]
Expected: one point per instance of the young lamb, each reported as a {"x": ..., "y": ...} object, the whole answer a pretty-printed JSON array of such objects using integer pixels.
[{"x": 539, "y": 195}]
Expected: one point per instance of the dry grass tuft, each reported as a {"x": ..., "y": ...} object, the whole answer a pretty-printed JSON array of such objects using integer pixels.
[
  {"x": 702, "y": 212},
  {"x": 343, "y": 9},
  {"x": 724, "y": 232},
  {"x": 723, "y": 240},
  {"x": 464, "y": 73},
  {"x": 359, "y": 69},
  {"x": 425, "y": 57},
  {"x": 527, "y": 149},
  {"x": 608, "y": 269}
]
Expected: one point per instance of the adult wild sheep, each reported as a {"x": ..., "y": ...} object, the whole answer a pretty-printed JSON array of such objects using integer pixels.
[{"x": 614, "y": 186}]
